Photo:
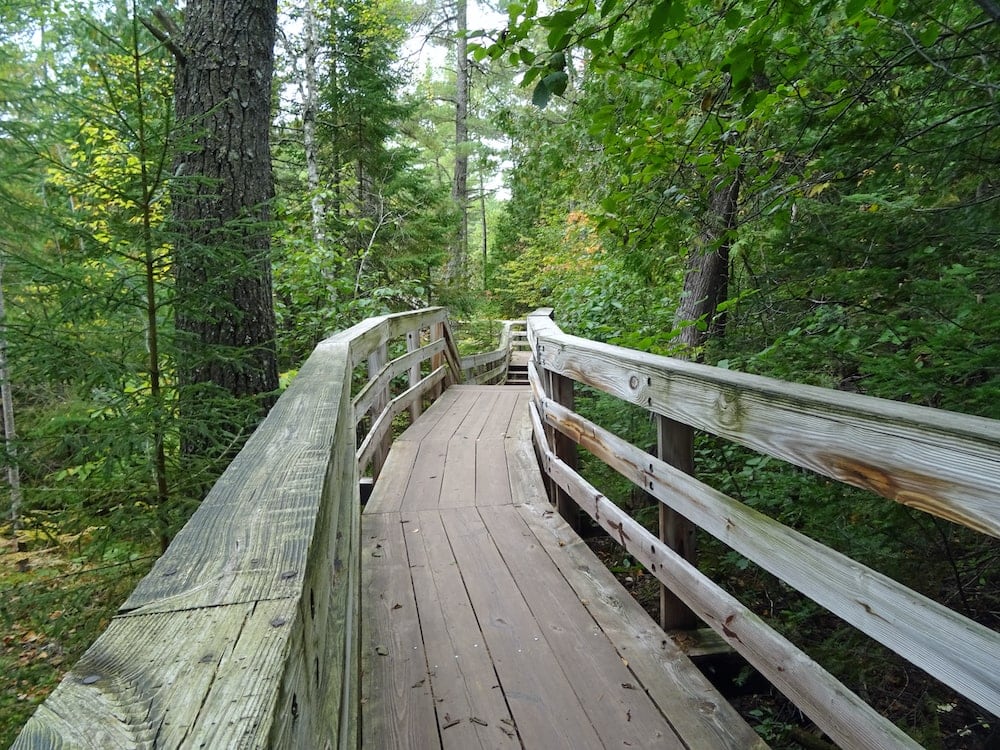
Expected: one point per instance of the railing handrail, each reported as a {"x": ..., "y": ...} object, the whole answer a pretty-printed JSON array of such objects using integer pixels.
[
  {"x": 489, "y": 368},
  {"x": 245, "y": 633},
  {"x": 939, "y": 462}
]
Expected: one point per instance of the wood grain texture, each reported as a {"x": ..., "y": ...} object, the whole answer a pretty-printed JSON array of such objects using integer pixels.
[
  {"x": 514, "y": 658},
  {"x": 391, "y": 486},
  {"x": 944, "y": 463},
  {"x": 246, "y": 631},
  {"x": 848, "y": 720},
  {"x": 397, "y": 709},
  {"x": 458, "y": 482},
  {"x": 225, "y": 643},
  {"x": 471, "y": 709},
  {"x": 621, "y": 713},
  {"x": 695, "y": 710},
  {"x": 541, "y": 698},
  {"x": 896, "y": 616},
  {"x": 675, "y": 446},
  {"x": 249, "y": 538},
  {"x": 692, "y": 706},
  {"x": 140, "y": 664}
]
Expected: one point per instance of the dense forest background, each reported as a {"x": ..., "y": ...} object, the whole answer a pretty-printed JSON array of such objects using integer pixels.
[{"x": 808, "y": 191}]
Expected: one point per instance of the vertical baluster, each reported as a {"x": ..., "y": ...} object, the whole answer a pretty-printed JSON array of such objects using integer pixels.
[
  {"x": 675, "y": 445},
  {"x": 412, "y": 344},
  {"x": 560, "y": 390},
  {"x": 376, "y": 361}
]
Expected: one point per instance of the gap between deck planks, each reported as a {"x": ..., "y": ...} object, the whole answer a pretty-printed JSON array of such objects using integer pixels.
[{"x": 487, "y": 623}]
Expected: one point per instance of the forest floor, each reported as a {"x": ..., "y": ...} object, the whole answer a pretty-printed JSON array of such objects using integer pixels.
[{"x": 59, "y": 592}]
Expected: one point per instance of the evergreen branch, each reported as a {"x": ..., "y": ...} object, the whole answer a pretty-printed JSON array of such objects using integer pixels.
[{"x": 166, "y": 38}]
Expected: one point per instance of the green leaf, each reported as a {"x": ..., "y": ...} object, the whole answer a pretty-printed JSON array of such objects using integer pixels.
[
  {"x": 854, "y": 7},
  {"x": 556, "y": 82},
  {"x": 658, "y": 18},
  {"x": 930, "y": 35},
  {"x": 561, "y": 20},
  {"x": 607, "y": 6},
  {"x": 558, "y": 38},
  {"x": 541, "y": 95}
]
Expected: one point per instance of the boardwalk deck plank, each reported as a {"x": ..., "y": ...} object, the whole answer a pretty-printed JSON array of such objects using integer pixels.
[
  {"x": 541, "y": 698},
  {"x": 471, "y": 709},
  {"x": 498, "y": 422},
  {"x": 392, "y": 481},
  {"x": 423, "y": 492},
  {"x": 459, "y": 480},
  {"x": 492, "y": 484},
  {"x": 526, "y": 640},
  {"x": 393, "y": 662},
  {"x": 694, "y": 708},
  {"x": 622, "y": 714}
]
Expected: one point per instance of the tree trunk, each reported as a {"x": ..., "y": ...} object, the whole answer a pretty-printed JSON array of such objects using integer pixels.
[
  {"x": 460, "y": 190},
  {"x": 706, "y": 279},
  {"x": 310, "y": 95},
  {"x": 10, "y": 435},
  {"x": 221, "y": 200},
  {"x": 484, "y": 245}
]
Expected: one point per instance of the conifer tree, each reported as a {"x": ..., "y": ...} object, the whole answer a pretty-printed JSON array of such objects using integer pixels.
[{"x": 222, "y": 204}]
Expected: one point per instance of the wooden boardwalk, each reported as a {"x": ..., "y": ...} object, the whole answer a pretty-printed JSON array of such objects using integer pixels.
[{"x": 487, "y": 623}]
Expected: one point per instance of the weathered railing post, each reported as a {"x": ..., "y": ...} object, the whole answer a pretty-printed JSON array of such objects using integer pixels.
[
  {"x": 675, "y": 445},
  {"x": 439, "y": 359},
  {"x": 412, "y": 344},
  {"x": 560, "y": 390},
  {"x": 376, "y": 361}
]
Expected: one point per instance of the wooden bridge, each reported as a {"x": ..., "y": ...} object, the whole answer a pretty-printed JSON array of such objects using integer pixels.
[{"x": 461, "y": 609}]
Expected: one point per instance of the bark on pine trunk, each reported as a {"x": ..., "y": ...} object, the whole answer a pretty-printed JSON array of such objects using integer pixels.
[
  {"x": 706, "y": 278},
  {"x": 460, "y": 188},
  {"x": 222, "y": 196},
  {"x": 10, "y": 434},
  {"x": 310, "y": 95}
]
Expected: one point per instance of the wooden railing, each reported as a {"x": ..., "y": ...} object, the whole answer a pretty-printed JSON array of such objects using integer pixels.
[
  {"x": 245, "y": 632},
  {"x": 490, "y": 368},
  {"x": 939, "y": 462}
]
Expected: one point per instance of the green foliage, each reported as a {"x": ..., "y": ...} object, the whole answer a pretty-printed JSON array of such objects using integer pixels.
[
  {"x": 388, "y": 213},
  {"x": 862, "y": 254}
]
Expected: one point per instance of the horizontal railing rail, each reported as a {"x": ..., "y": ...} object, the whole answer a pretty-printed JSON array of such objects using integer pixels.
[
  {"x": 245, "y": 633},
  {"x": 939, "y": 462},
  {"x": 490, "y": 368}
]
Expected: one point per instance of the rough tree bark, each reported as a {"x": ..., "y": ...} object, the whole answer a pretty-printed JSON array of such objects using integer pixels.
[
  {"x": 460, "y": 188},
  {"x": 310, "y": 94},
  {"x": 10, "y": 434},
  {"x": 706, "y": 278},
  {"x": 222, "y": 196}
]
